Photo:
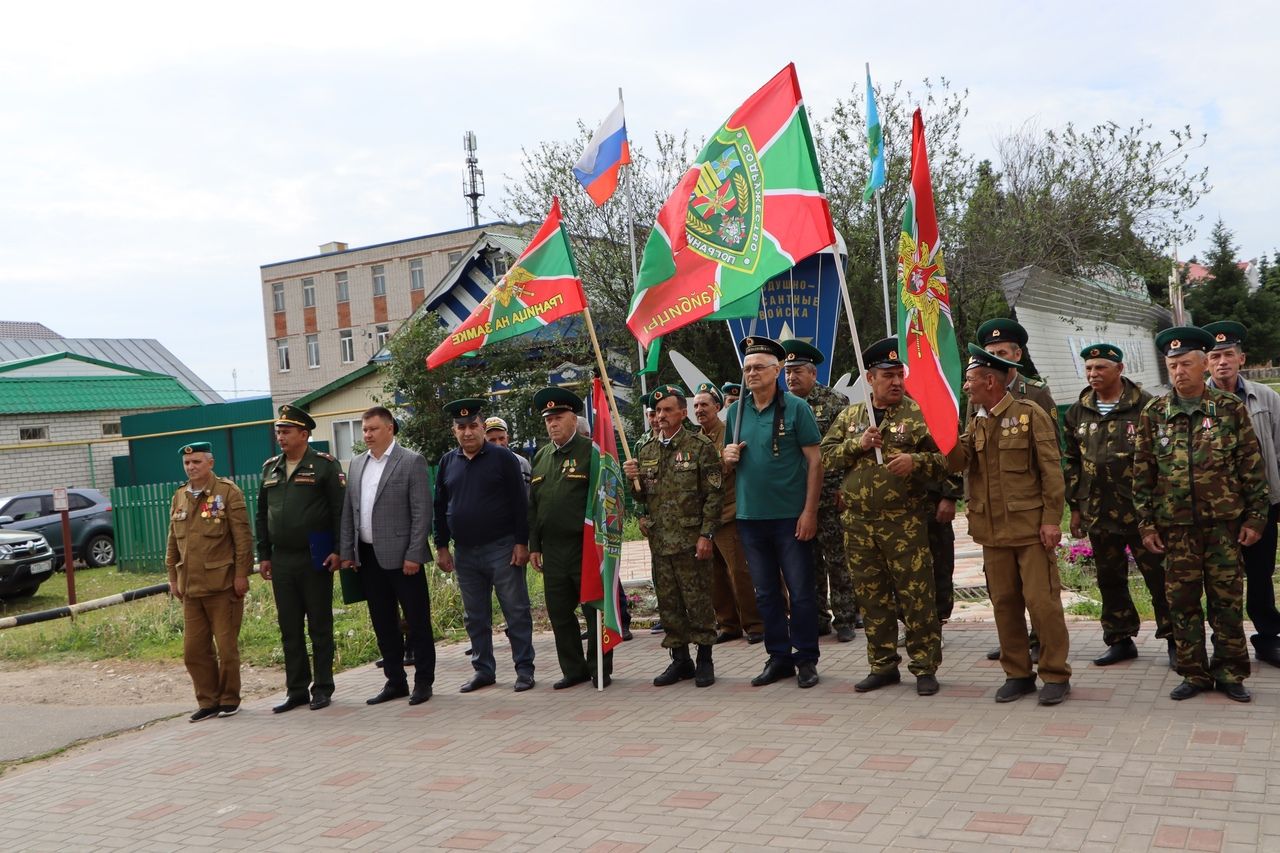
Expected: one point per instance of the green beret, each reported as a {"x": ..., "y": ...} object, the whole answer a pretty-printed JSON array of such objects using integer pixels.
[
  {"x": 465, "y": 410},
  {"x": 708, "y": 388},
  {"x": 663, "y": 391},
  {"x": 291, "y": 415},
  {"x": 799, "y": 352},
  {"x": 1226, "y": 333},
  {"x": 731, "y": 388},
  {"x": 196, "y": 447},
  {"x": 548, "y": 401},
  {"x": 1183, "y": 339},
  {"x": 979, "y": 357},
  {"x": 883, "y": 353},
  {"x": 1002, "y": 329},
  {"x": 1107, "y": 351},
  {"x": 768, "y": 346}
]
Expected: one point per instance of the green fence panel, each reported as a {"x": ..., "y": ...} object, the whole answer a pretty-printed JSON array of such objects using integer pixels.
[{"x": 141, "y": 517}]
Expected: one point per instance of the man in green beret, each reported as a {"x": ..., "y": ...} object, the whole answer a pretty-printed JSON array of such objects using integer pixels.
[
  {"x": 1226, "y": 359},
  {"x": 731, "y": 391},
  {"x": 678, "y": 477},
  {"x": 1201, "y": 495},
  {"x": 557, "y": 507},
  {"x": 1101, "y": 432},
  {"x": 837, "y": 602},
  {"x": 209, "y": 556},
  {"x": 299, "y": 522}
]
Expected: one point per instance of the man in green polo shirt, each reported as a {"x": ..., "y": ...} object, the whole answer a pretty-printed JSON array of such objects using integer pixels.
[{"x": 779, "y": 478}]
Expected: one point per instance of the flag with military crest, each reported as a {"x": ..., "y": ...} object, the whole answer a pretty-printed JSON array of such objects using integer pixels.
[
  {"x": 602, "y": 526},
  {"x": 750, "y": 207}
]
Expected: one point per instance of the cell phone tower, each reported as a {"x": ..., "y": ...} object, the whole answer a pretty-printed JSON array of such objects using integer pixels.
[{"x": 473, "y": 180}]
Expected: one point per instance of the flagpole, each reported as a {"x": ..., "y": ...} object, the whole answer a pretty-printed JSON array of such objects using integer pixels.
[
  {"x": 608, "y": 386},
  {"x": 857, "y": 349},
  {"x": 599, "y": 650},
  {"x": 631, "y": 240},
  {"x": 884, "y": 269}
]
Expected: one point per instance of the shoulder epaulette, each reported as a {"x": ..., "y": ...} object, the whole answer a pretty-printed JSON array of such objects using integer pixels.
[
  {"x": 1034, "y": 382},
  {"x": 327, "y": 456},
  {"x": 271, "y": 460},
  {"x": 703, "y": 437},
  {"x": 227, "y": 480}
]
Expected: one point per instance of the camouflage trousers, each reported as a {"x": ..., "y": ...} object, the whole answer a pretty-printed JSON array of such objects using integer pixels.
[
  {"x": 1205, "y": 560},
  {"x": 892, "y": 574},
  {"x": 942, "y": 548},
  {"x": 683, "y": 585},
  {"x": 1119, "y": 617},
  {"x": 839, "y": 607}
]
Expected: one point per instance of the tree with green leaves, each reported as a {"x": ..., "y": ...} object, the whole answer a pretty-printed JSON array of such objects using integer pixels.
[{"x": 1225, "y": 296}]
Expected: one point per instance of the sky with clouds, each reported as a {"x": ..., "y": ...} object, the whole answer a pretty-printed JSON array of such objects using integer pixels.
[{"x": 154, "y": 155}]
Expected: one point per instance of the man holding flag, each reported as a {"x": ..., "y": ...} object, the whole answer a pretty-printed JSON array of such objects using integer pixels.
[{"x": 678, "y": 477}]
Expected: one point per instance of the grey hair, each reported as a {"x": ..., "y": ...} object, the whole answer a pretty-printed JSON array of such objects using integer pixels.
[{"x": 583, "y": 426}]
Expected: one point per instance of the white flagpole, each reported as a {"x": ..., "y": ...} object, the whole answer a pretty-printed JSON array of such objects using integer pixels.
[
  {"x": 857, "y": 349},
  {"x": 631, "y": 239},
  {"x": 884, "y": 270},
  {"x": 599, "y": 650}
]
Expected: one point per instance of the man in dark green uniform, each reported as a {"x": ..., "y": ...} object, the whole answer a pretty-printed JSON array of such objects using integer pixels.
[
  {"x": 557, "y": 506},
  {"x": 299, "y": 519},
  {"x": 837, "y": 608},
  {"x": 679, "y": 478},
  {"x": 1201, "y": 494},
  {"x": 1101, "y": 431}
]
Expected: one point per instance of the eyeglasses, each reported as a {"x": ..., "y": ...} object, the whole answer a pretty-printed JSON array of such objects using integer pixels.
[{"x": 756, "y": 368}]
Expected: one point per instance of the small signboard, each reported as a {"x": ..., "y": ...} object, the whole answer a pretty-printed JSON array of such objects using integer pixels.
[{"x": 60, "y": 502}]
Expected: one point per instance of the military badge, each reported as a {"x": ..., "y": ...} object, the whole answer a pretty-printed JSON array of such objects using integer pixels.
[{"x": 725, "y": 216}]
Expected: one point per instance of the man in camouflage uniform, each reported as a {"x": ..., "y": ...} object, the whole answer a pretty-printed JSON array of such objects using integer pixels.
[
  {"x": 1009, "y": 452},
  {"x": 940, "y": 503},
  {"x": 1201, "y": 494},
  {"x": 840, "y": 608},
  {"x": 1008, "y": 339},
  {"x": 1101, "y": 430},
  {"x": 884, "y": 520},
  {"x": 299, "y": 519},
  {"x": 678, "y": 477}
]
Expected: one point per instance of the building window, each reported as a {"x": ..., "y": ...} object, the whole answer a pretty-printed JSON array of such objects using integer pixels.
[
  {"x": 308, "y": 293},
  {"x": 501, "y": 263},
  {"x": 417, "y": 280},
  {"x": 345, "y": 435},
  {"x": 277, "y": 297},
  {"x": 340, "y": 279},
  {"x": 347, "y": 346},
  {"x": 33, "y": 433},
  {"x": 282, "y": 355},
  {"x": 313, "y": 350},
  {"x": 383, "y": 333},
  {"x": 112, "y": 428},
  {"x": 379, "y": 280},
  {"x": 454, "y": 257}
]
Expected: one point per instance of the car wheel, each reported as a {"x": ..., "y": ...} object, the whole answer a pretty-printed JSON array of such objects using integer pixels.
[
  {"x": 99, "y": 551},
  {"x": 25, "y": 592}
]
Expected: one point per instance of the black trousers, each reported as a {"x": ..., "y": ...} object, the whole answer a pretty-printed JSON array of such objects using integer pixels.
[
  {"x": 1260, "y": 592},
  {"x": 385, "y": 589}
]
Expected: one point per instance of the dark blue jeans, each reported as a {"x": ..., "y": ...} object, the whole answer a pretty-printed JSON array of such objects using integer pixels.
[
  {"x": 775, "y": 556},
  {"x": 481, "y": 571}
]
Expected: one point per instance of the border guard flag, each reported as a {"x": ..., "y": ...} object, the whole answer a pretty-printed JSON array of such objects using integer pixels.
[
  {"x": 750, "y": 206},
  {"x": 606, "y": 154},
  {"x": 602, "y": 526}
]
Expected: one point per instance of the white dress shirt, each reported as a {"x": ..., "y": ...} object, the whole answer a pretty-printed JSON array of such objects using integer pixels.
[{"x": 370, "y": 476}]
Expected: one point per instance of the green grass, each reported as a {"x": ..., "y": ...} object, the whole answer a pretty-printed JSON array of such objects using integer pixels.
[{"x": 151, "y": 628}]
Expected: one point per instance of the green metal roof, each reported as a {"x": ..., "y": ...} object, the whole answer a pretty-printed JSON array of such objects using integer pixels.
[
  {"x": 17, "y": 364},
  {"x": 20, "y": 396},
  {"x": 340, "y": 382}
]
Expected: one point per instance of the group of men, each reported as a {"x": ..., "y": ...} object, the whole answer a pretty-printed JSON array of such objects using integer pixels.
[{"x": 1186, "y": 485}]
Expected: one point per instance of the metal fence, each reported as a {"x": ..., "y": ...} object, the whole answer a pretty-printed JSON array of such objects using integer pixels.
[{"x": 141, "y": 518}]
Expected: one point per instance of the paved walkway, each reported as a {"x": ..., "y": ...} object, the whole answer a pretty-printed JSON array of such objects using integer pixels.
[{"x": 1118, "y": 766}]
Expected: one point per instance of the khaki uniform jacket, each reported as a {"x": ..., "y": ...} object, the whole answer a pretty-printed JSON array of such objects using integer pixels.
[
  {"x": 729, "y": 480},
  {"x": 210, "y": 543},
  {"x": 1015, "y": 477}
]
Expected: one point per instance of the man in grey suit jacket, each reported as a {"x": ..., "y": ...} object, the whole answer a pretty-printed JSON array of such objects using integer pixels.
[{"x": 386, "y": 519}]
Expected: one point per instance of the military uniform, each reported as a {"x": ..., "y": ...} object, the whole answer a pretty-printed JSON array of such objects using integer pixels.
[
  {"x": 1099, "y": 477},
  {"x": 942, "y": 541},
  {"x": 297, "y": 513},
  {"x": 837, "y": 608},
  {"x": 886, "y": 543},
  {"x": 557, "y": 505},
  {"x": 210, "y": 545},
  {"x": 1197, "y": 477}
]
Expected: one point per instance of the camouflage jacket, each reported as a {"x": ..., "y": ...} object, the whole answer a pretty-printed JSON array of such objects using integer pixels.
[
  {"x": 1190, "y": 469},
  {"x": 867, "y": 489},
  {"x": 827, "y": 406},
  {"x": 680, "y": 484},
  {"x": 1098, "y": 457}
]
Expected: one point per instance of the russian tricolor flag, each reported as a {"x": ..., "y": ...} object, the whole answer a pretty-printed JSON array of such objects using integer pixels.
[{"x": 608, "y": 150}]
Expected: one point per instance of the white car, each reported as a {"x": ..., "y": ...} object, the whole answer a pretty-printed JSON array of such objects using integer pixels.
[{"x": 26, "y": 560}]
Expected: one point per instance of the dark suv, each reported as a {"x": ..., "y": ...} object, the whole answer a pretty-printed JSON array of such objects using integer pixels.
[{"x": 93, "y": 537}]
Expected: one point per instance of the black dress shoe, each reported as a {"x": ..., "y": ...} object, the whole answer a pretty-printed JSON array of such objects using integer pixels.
[
  {"x": 755, "y": 637},
  {"x": 1235, "y": 691},
  {"x": 1267, "y": 654},
  {"x": 524, "y": 681},
  {"x": 477, "y": 681},
  {"x": 876, "y": 680},
  {"x": 807, "y": 674},
  {"x": 204, "y": 714},
  {"x": 774, "y": 670},
  {"x": 570, "y": 682},
  {"x": 608, "y": 679},
  {"x": 387, "y": 693},
  {"x": 289, "y": 704},
  {"x": 318, "y": 702},
  {"x": 846, "y": 634},
  {"x": 926, "y": 685},
  {"x": 1185, "y": 690},
  {"x": 1054, "y": 692},
  {"x": 824, "y": 629},
  {"x": 419, "y": 695},
  {"x": 1121, "y": 651},
  {"x": 728, "y": 637},
  {"x": 626, "y": 633},
  {"x": 994, "y": 654},
  {"x": 378, "y": 663},
  {"x": 1015, "y": 688}
]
